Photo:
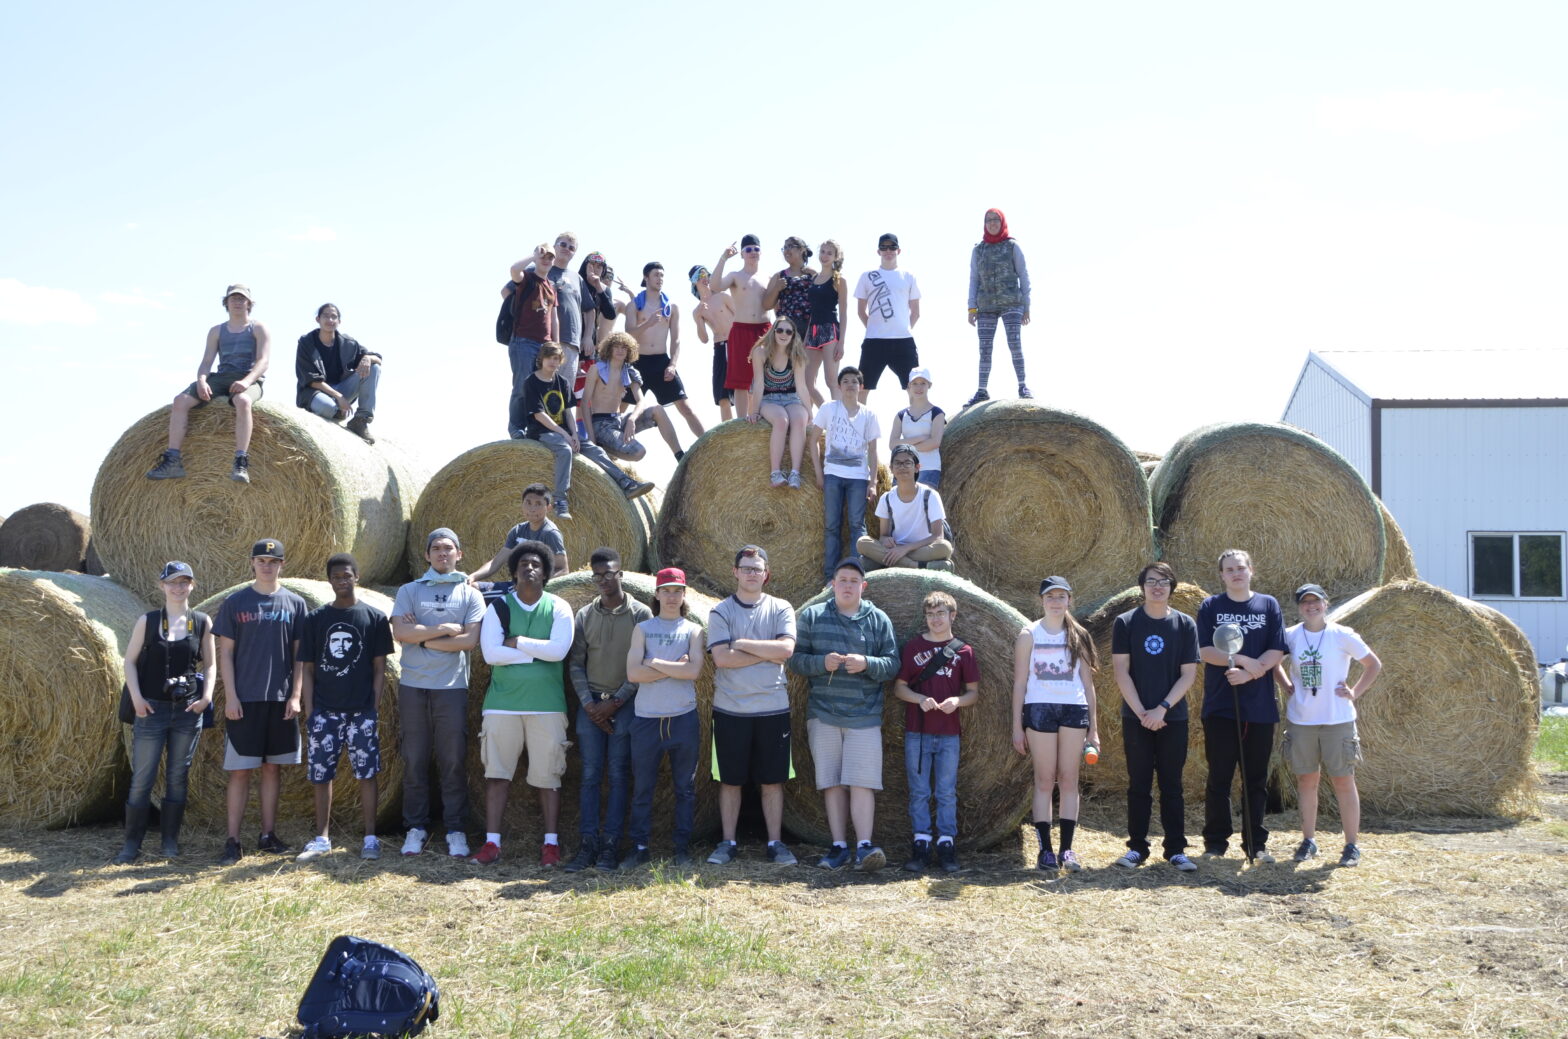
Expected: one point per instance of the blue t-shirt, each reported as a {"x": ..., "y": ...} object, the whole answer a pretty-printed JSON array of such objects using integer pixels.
[{"x": 1262, "y": 629}]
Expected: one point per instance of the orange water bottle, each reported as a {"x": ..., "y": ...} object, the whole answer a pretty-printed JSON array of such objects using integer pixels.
[{"x": 1091, "y": 754}]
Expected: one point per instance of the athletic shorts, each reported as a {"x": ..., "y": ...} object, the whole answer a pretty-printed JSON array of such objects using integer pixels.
[
  {"x": 328, "y": 734},
  {"x": 219, "y": 383},
  {"x": 898, "y": 354},
  {"x": 721, "y": 364},
  {"x": 743, "y": 336},
  {"x": 845, "y": 757},
  {"x": 1048, "y": 717},
  {"x": 818, "y": 336},
  {"x": 504, "y": 737},
  {"x": 652, "y": 368},
  {"x": 751, "y": 748},
  {"x": 1335, "y": 749},
  {"x": 262, "y": 736}
]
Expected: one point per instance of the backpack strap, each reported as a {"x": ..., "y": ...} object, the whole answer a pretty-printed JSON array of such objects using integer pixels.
[{"x": 944, "y": 655}]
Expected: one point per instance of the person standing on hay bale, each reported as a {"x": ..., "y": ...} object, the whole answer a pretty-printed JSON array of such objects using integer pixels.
[
  {"x": 657, "y": 329},
  {"x": 598, "y": 313},
  {"x": 530, "y": 300},
  {"x": 829, "y": 296},
  {"x": 937, "y": 675},
  {"x": 665, "y": 660},
  {"x": 169, "y": 665},
  {"x": 577, "y": 296},
  {"x": 544, "y": 412},
  {"x": 611, "y": 380},
  {"x": 345, "y": 648},
  {"x": 778, "y": 364},
  {"x": 846, "y": 461},
  {"x": 1154, "y": 653},
  {"x": 747, "y": 291},
  {"x": 998, "y": 290},
  {"x": 1320, "y": 716},
  {"x": 242, "y": 349},
  {"x": 751, "y": 635},
  {"x": 436, "y": 619},
  {"x": 714, "y": 310},
  {"x": 335, "y": 372},
  {"x": 524, "y": 638},
  {"x": 789, "y": 291},
  {"x": 921, "y": 426},
  {"x": 602, "y": 635},
  {"x": 913, "y": 520},
  {"x": 889, "y": 309},
  {"x": 851, "y": 640},
  {"x": 1054, "y": 713},
  {"x": 536, "y": 526},
  {"x": 1249, "y": 682},
  {"x": 259, "y": 629}
]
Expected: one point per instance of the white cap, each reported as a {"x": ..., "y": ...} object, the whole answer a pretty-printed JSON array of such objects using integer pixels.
[{"x": 921, "y": 373}]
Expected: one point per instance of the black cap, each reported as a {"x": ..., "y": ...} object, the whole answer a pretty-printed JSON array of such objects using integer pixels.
[
  {"x": 1054, "y": 582},
  {"x": 749, "y": 239},
  {"x": 175, "y": 568},
  {"x": 267, "y": 547},
  {"x": 853, "y": 563},
  {"x": 652, "y": 265},
  {"x": 1311, "y": 589},
  {"x": 751, "y": 550},
  {"x": 888, "y": 239}
]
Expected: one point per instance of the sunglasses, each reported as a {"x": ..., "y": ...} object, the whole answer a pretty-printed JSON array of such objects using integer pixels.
[
  {"x": 568, "y": 246},
  {"x": 784, "y": 331},
  {"x": 752, "y": 249}
]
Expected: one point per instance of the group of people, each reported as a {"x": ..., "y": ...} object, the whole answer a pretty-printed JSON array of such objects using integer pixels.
[{"x": 633, "y": 668}]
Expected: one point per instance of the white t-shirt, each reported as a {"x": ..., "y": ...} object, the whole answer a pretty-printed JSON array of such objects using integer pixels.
[
  {"x": 1321, "y": 660},
  {"x": 911, "y": 520},
  {"x": 912, "y": 428},
  {"x": 1053, "y": 677},
  {"x": 847, "y": 439},
  {"x": 887, "y": 295}
]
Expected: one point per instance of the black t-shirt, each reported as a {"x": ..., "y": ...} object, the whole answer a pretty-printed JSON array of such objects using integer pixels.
[
  {"x": 554, "y": 398},
  {"x": 1157, "y": 648},
  {"x": 1262, "y": 629},
  {"x": 343, "y": 644}
]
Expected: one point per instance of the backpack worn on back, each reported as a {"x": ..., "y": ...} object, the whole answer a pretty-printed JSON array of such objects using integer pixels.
[{"x": 363, "y": 988}]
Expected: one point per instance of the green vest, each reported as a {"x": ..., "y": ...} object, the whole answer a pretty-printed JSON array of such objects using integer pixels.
[
  {"x": 540, "y": 686},
  {"x": 998, "y": 288}
]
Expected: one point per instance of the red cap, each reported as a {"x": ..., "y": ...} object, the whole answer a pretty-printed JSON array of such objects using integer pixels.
[{"x": 670, "y": 575}]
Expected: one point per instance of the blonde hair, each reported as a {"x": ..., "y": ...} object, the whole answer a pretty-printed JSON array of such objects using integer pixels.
[
  {"x": 838, "y": 260},
  {"x": 797, "y": 344},
  {"x": 940, "y": 599},
  {"x": 614, "y": 339}
]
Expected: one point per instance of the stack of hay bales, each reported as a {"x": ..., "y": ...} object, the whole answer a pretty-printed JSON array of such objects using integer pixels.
[
  {"x": 1032, "y": 491},
  {"x": 993, "y": 780},
  {"x": 46, "y": 536},
  {"x": 317, "y": 488},
  {"x": 720, "y": 499},
  {"x": 62, "y": 650},
  {"x": 1289, "y": 500},
  {"x": 1399, "y": 562},
  {"x": 296, "y": 805},
  {"x": 479, "y": 495}
]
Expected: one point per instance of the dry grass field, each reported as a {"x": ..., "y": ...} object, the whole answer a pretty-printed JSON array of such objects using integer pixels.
[{"x": 1450, "y": 927}]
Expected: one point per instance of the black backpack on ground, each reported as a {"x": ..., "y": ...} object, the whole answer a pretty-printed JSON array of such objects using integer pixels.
[{"x": 363, "y": 989}]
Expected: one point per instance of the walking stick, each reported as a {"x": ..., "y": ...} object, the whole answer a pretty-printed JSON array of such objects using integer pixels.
[{"x": 1228, "y": 640}]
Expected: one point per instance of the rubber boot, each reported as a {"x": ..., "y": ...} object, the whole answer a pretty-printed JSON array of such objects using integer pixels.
[
  {"x": 171, "y": 814},
  {"x": 135, "y": 829}
]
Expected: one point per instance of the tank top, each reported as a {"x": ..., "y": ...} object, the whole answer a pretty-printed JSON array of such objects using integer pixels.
[
  {"x": 1053, "y": 677},
  {"x": 775, "y": 381},
  {"x": 666, "y": 697},
  {"x": 162, "y": 659},
  {"x": 236, "y": 350},
  {"x": 795, "y": 299},
  {"x": 824, "y": 302},
  {"x": 918, "y": 429}
]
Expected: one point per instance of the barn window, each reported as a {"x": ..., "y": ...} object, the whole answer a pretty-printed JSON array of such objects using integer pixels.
[{"x": 1517, "y": 566}]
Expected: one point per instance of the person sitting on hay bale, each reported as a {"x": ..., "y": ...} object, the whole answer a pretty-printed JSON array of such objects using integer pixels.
[
  {"x": 242, "y": 349},
  {"x": 536, "y": 526},
  {"x": 1055, "y": 713},
  {"x": 335, "y": 374},
  {"x": 937, "y": 675},
  {"x": 1320, "y": 716},
  {"x": 344, "y": 647},
  {"x": 751, "y": 635},
  {"x": 921, "y": 426},
  {"x": 259, "y": 629},
  {"x": 848, "y": 639},
  {"x": 611, "y": 381},
  {"x": 655, "y": 323},
  {"x": 846, "y": 461},
  {"x": 1154, "y": 652},
  {"x": 778, "y": 364},
  {"x": 1249, "y": 676},
  {"x": 913, "y": 520}
]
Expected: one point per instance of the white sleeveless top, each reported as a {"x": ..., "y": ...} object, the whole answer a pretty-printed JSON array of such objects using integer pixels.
[{"x": 1053, "y": 677}]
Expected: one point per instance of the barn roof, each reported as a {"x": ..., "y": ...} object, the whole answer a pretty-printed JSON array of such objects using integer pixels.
[{"x": 1459, "y": 375}]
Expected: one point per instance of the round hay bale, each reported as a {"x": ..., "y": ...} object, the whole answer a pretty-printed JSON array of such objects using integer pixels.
[
  {"x": 1110, "y": 775},
  {"x": 45, "y": 536},
  {"x": 1148, "y": 468},
  {"x": 62, "y": 761},
  {"x": 1450, "y": 725},
  {"x": 521, "y": 823},
  {"x": 316, "y": 487},
  {"x": 993, "y": 779},
  {"x": 1032, "y": 491},
  {"x": 92, "y": 564},
  {"x": 479, "y": 495},
  {"x": 1513, "y": 637},
  {"x": 1399, "y": 562},
  {"x": 296, "y": 804},
  {"x": 1289, "y": 500},
  {"x": 719, "y": 499}
]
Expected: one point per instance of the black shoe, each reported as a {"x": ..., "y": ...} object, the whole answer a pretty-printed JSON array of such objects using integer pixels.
[
  {"x": 231, "y": 852},
  {"x": 359, "y": 425},
  {"x": 169, "y": 467},
  {"x": 241, "y": 471},
  {"x": 584, "y": 858},
  {"x": 683, "y": 859},
  {"x": 269, "y": 842},
  {"x": 608, "y": 860},
  {"x": 170, "y": 815},
  {"x": 947, "y": 855},
  {"x": 637, "y": 857},
  {"x": 980, "y": 397},
  {"x": 920, "y": 859},
  {"x": 135, "y": 830}
]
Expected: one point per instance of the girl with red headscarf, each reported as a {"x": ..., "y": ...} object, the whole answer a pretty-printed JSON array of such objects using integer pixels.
[{"x": 998, "y": 289}]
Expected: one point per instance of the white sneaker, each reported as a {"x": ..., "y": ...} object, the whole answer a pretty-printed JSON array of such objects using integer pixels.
[
  {"x": 317, "y": 847},
  {"x": 1263, "y": 857},
  {"x": 414, "y": 843},
  {"x": 457, "y": 844}
]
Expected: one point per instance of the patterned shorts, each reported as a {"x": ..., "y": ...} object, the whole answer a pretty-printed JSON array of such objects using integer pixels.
[
  {"x": 818, "y": 336},
  {"x": 330, "y": 733}
]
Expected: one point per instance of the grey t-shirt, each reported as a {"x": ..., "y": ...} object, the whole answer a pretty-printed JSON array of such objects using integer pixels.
[
  {"x": 568, "y": 304},
  {"x": 761, "y": 688},
  {"x": 666, "y": 640},
  {"x": 432, "y": 603},
  {"x": 264, "y": 629},
  {"x": 548, "y": 535}
]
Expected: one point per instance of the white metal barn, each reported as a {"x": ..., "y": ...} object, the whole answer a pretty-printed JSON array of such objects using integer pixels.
[{"x": 1469, "y": 451}]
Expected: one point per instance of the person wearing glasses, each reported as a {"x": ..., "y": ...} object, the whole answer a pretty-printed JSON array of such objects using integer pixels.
[
  {"x": 577, "y": 298},
  {"x": 748, "y": 292},
  {"x": 998, "y": 291},
  {"x": 912, "y": 520},
  {"x": 778, "y": 364},
  {"x": 601, "y": 310},
  {"x": 889, "y": 309},
  {"x": 1154, "y": 655}
]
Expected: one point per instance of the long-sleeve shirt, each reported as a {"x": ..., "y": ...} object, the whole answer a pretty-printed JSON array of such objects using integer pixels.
[
  {"x": 850, "y": 701},
  {"x": 492, "y": 639},
  {"x": 597, "y": 663}
]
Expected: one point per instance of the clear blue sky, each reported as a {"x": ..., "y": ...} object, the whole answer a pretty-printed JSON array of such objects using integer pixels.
[{"x": 1204, "y": 191}]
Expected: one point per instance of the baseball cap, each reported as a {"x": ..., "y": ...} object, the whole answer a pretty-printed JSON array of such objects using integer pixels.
[
  {"x": 751, "y": 550},
  {"x": 749, "y": 239},
  {"x": 1311, "y": 589},
  {"x": 904, "y": 449},
  {"x": 1054, "y": 582},
  {"x": 269, "y": 547},
  {"x": 670, "y": 576},
  {"x": 853, "y": 562},
  {"x": 442, "y": 532},
  {"x": 174, "y": 569},
  {"x": 243, "y": 290},
  {"x": 888, "y": 239},
  {"x": 920, "y": 373}
]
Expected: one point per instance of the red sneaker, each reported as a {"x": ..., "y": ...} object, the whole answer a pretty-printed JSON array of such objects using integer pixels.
[
  {"x": 550, "y": 857},
  {"x": 487, "y": 855}
]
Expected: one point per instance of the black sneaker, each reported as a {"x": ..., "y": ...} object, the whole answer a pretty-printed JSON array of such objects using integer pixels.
[
  {"x": 920, "y": 859},
  {"x": 683, "y": 858},
  {"x": 637, "y": 857},
  {"x": 169, "y": 467},
  {"x": 637, "y": 490},
  {"x": 1307, "y": 849},
  {"x": 608, "y": 860},
  {"x": 231, "y": 852},
  {"x": 269, "y": 842},
  {"x": 359, "y": 425},
  {"x": 980, "y": 397},
  {"x": 947, "y": 857},
  {"x": 241, "y": 471},
  {"x": 1351, "y": 856},
  {"x": 584, "y": 858},
  {"x": 1023, "y": 392}
]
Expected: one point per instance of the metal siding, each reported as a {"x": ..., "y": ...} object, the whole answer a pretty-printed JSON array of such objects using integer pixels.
[{"x": 1326, "y": 409}]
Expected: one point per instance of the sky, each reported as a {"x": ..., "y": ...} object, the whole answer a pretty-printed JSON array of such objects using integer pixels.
[{"x": 1204, "y": 192}]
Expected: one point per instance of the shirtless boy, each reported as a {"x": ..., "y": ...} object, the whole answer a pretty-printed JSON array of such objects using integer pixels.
[
  {"x": 610, "y": 379},
  {"x": 654, "y": 322},
  {"x": 715, "y": 311},
  {"x": 747, "y": 290}
]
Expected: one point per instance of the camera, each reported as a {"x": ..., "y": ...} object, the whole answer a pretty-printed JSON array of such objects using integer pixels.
[{"x": 185, "y": 690}]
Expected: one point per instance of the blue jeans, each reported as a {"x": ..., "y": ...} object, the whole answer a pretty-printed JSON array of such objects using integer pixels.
[
  {"x": 932, "y": 478},
  {"x": 600, "y": 749},
  {"x": 167, "y": 728},
  {"x": 353, "y": 389},
  {"x": 523, "y": 353},
  {"x": 841, "y": 496},
  {"x": 931, "y": 761},
  {"x": 680, "y": 737},
  {"x": 588, "y": 449}
]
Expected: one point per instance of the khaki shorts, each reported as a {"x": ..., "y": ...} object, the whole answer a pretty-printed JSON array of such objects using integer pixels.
[
  {"x": 845, "y": 757},
  {"x": 1335, "y": 749},
  {"x": 219, "y": 383},
  {"x": 504, "y": 737}
]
